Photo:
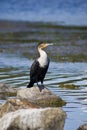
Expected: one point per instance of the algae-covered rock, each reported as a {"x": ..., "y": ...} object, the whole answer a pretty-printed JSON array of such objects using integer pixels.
[
  {"x": 24, "y": 112},
  {"x": 34, "y": 119},
  {"x": 7, "y": 91},
  {"x": 43, "y": 97},
  {"x": 15, "y": 104},
  {"x": 83, "y": 127},
  {"x": 68, "y": 86}
]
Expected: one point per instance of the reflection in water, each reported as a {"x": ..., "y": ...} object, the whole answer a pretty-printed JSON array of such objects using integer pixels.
[{"x": 14, "y": 70}]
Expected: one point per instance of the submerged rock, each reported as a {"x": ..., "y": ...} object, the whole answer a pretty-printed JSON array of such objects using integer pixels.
[
  {"x": 15, "y": 104},
  {"x": 34, "y": 119},
  {"x": 41, "y": 96},
  {"x": 83, "y": 127},
  {"x": 68, "y": 86},
  {"x": 7, "y": 91}
]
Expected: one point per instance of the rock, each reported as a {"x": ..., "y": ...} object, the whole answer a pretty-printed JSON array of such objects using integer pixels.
[
  {"x": 83, "y": 127},
  {"x": 24, "y": 112},
  {"x": 15, "y": 104},
  {"x": 43, "y": 97},
  {"x": 68, "y": 86},
  {"x": 34, "y": 119},
  {"x": 2, "y": 96},
  {"x": 7, "y": 91}
]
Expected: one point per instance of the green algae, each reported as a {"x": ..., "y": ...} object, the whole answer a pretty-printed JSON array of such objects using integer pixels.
[
  {"x": 8, "y": 94},
  {"x": 68, "y": 86},
  {"x": 53, "y": 102},
  {"x": 70, "y": 42}
]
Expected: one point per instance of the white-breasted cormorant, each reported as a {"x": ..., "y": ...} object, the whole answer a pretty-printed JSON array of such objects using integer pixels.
[{"x": 40, "y": 66}]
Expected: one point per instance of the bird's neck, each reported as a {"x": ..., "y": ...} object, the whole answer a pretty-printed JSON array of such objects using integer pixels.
[
  {"x": 42, "y": 53},
  {"x": 43, "y": 60}
]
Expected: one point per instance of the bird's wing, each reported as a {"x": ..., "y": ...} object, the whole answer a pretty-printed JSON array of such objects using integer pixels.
[
  {"x": 34, "y": 68},
  {"x": 46, "y": 67}
]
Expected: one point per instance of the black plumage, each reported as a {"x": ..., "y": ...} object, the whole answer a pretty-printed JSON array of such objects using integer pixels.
[
  {"x": 39, "y": 67},
  {"x": 37, "y": 73}
]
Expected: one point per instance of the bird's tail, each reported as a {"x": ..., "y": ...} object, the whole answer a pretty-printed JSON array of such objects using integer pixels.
[{"x": 30, "y": 85}]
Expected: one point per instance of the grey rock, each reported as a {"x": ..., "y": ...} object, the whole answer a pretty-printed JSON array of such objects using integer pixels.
[
  {"x": 83, "y": 127},
  {"x": 14, "y": 104},
  {"x": 34, "y": 119},
  {"x": 7, "y": 91},
  {"x": 41, "y": 96}
]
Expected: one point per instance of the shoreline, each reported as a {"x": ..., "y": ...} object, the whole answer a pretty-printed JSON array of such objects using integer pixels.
[{"x": 70, "y": 43}]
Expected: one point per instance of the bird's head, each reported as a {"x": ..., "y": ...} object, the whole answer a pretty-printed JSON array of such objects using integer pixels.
[{"x": 43, "y": 45}]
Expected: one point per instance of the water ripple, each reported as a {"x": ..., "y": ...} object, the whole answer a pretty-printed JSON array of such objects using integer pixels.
[{"x": 15, "y": 71}]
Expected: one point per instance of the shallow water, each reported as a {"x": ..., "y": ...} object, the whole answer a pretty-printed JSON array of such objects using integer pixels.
[
  {"x": 14, "y": 70},
  {"x": 68, "y": 63}
]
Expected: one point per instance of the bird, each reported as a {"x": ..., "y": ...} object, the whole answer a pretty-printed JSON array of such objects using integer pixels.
[{"x": 40, "y": 66}]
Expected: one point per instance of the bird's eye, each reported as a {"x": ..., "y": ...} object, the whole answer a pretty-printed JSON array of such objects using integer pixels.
[{"x": 42, "y": 45}]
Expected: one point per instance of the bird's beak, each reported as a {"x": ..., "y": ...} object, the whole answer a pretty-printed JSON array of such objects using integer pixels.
[
  {"x": 49, "y": 44},
  {"x": 45, "y": 45}
]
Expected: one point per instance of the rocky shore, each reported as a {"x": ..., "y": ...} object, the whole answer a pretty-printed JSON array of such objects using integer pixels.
[
  {"x": 83, "y": 127},
  {"x": 31, "y": 109}
]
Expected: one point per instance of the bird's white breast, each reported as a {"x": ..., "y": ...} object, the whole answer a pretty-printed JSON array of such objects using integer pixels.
[{"x": 43, "y": 59}]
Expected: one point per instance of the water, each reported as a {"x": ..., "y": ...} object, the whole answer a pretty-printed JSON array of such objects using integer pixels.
[
  {"x": 68, "y": 12},
  {"x": 68, "y": 55},
  {"x": 14, "y": 70}
]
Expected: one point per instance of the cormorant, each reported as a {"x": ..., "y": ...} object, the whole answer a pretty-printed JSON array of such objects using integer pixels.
[{"x": 40, "y": 66}]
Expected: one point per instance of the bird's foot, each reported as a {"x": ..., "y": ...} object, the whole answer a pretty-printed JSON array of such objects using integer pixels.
[{"x": 41, "y": 87}]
